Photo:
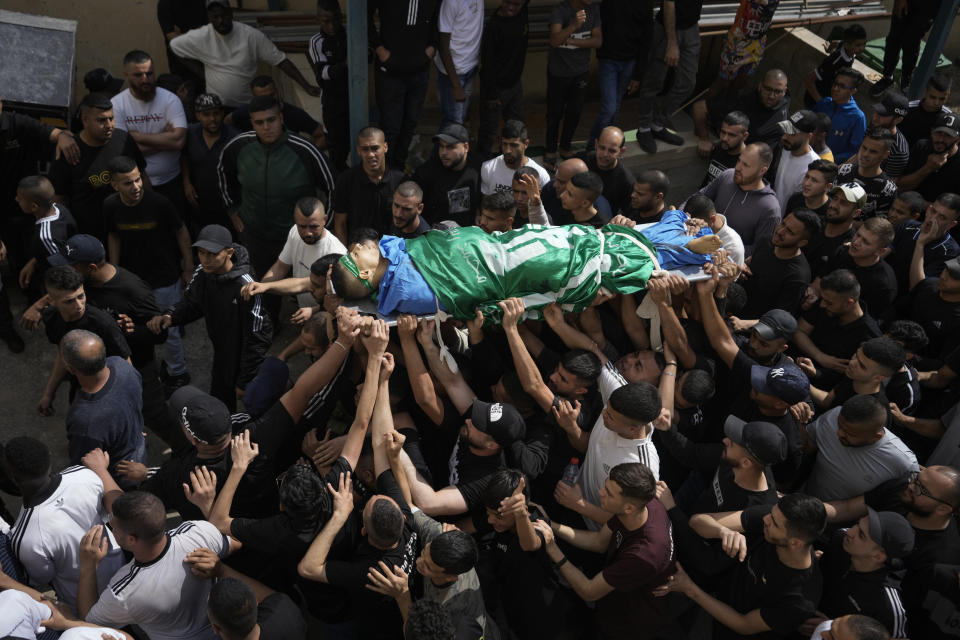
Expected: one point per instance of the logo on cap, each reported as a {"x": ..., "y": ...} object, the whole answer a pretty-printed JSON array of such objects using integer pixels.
[
  {"x": 183, "y": 418},
  {"x": 496, "y": 412}
]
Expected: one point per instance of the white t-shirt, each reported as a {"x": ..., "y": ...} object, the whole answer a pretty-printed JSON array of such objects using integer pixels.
[
  {"x": 46, "y": 537},
  {"x": 463, "y": 20},
  {"x": 731, "y": 240},
  {"x": 131, "y": 114},
  {"x": 495, "y": 175},
  {"x": 790, "y": 174},
  {"x": 21, "y": 615},
  {"x": 300, "y": 255},
  {"x": 229, "y": 61},
  {"x": 91, "y": 633},
  {"x": 164, "y": 597},
  {"x": 606, "y": 449}
]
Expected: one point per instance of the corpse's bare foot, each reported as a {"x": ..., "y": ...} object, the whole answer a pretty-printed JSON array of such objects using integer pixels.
[{"x": 705, "y": 244}]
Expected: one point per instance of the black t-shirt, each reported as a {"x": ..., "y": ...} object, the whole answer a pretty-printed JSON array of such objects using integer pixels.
[
  {"x": 826, "y": 72},
  {"x": 377, "y": 616},
  {"x": 931, "y": 550},
  {"x": 935, "y": 254},
  {"x": 87, "y": 184},
  {"x": 775, "y": 283},
  {"x": 904, "y": 389},
  {"x": 148, "y": 236},
  {"x": 449, "y": 194},
  {"x": 844, "y": 390},
  {"x": 473, "y": 473},
  {"x": 942, "y": 180},
  {"x": 786, "y": 597},
  {"x": 279, "y": 618},
  {"x": 764, "y": 121},
  {"x": 837, "y": 340},
  {"x": 203, "y": 167},
  {"x": 687, "y": 14},
  {"x": 797, "y": 201},
  {"x": 918, "y": 122},
  {"x": 878, "y": 283},
  {"x": 564, "y": 217},
  {"x": 366, "y": 203},
  {"x": 617, "y": 182},
  {"x": 940, "y": 319},
  {"x": 881, "y": 190},
  {"x": 127, "y": 294},
  {"x": 720, "y": 161},
  {"x": 724, "y": 494},
  {"x": 821, "y": 249},
  {"x": 93, "y": 320}
]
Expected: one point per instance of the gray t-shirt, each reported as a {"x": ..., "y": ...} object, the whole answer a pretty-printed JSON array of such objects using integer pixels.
[
  {"x": 567, "y": 61},
  {"x": 842, "y": 472}
]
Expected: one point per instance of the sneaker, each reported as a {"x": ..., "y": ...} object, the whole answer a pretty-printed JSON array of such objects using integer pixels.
[
  {"x": 646, "y": 141},
  {"x": 880, "y": 87},
  {"x": 668, "y": 136},
  {"x": 14, "y": 341}
]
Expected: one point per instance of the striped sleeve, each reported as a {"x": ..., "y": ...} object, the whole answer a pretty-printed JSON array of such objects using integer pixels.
[
  {"x": 898, "y": 614},
  {"x": 321, "y": 167}
]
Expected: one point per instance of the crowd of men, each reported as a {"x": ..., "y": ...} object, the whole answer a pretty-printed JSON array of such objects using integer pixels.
[{"x": 770, "y": 450}]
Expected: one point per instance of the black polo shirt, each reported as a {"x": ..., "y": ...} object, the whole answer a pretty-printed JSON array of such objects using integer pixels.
[{"x": 366, "y": 203}]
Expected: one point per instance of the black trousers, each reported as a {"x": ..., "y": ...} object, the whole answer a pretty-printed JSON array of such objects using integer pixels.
[
  {"x": 400, "y": 101},
  {"x": 564, "y": 102},
  {"x": 905, "y": 34},
  {"x": 511, "y": 108}
]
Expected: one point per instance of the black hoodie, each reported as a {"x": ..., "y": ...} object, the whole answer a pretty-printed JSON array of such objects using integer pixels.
[
  {"x": 240, "y": 329},
  {"x": 407, "y": 28}
]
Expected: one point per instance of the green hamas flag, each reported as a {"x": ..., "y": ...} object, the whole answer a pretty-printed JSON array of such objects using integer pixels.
[{"x": 469, "y": 269}]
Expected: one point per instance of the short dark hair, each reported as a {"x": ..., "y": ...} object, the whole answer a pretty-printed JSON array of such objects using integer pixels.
[
  {"x": 590, "y": 183},
  {"x": 74, "y": 356},
  {"x": 63, "y": 278},
  {"x": 885, "y": 352},
  {"x": 38, "y": 190},
  {"x": 525, "y": 170},
  {"x": 881, "y": 134},
  {"x": 853, "y": 33},
  {"x": 409, "y": 189},
  {"x": 950, "y": 201},
  {"x": 806, "y": 516},
  {"x": 320, "y": 266},
  {"x": 27, "y": 458},
  {"x": 346, "y": 285},
  {"x": 361, "y": 235},
  {"x": 386, "y": 523},
  {"x": 940, "y": 81},
  {"x": 827, "y": 168},
  {"x": 763, "y": 152},
  {"x": 736, "y": 298},
  {"x": 639, "y": 401},
  {"x": 141, "y": 513},
  {"x": 864, "y": 409},
  {"x": 853, "y": 74},
  {"x": 501, "y": 201},
  {"x": 121, "y": 164},
  {"x": 98, "y": 101},
  {"x": 914, "y": 201},
  {"x": 909, "y": 333},
  {"x": 658, "y": 180},
  {"x": 332, "y": 6},
  {"x": 370, "y": 132},
  {"x": 501, "y": 485},
  {"x": 698, "y": 387},
  {"x": 823, "y": 123},
  {"x": 882, "y": 228},
  {"x": 636, "y": 481},
  {"x": 308, "y": 205},
  {"x": 262, "y": 103},
  {"x": 700, "y": 207},
  {"x": 841, "y": 281},
  {"x": 514, "y": 129},
  {"x": 737, "y": 119},
  {"x": 137, "y": 56},
  {"x": 582, "y": 363},
  {"x": 232, "y": 606},
  {"x": 809, "y": 220},
  {"x": 261, "y": 81},
  {"x": 429, "y": 620},
  {"x": 518, "y": 397},
  {"x": 866, "y": 628},
  {"x": 454, "y": 551},
  {"x": 301, "y": 493}
]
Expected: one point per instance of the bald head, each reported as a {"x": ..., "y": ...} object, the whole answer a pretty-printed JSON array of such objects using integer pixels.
[
  {"x": 83, "y": 352},
  {"x": 609, "y": 148},
  {"x": 566, "y": 170},
  {"x": 772, "y": 88}
]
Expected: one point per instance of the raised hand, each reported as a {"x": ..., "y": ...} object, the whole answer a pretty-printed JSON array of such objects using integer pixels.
[
  {"x": 202, "y": 490},
  {"x": 243, "y": 451}
]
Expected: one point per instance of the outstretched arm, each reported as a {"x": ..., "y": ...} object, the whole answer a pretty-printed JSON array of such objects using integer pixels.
[
  {"x": 459, "y": 392},
  {"x": 421, "y": 384},
  {"x": 527, "y": 370}
]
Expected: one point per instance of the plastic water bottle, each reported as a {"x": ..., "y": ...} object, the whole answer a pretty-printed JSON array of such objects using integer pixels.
[{"x": 571, "y": 472}]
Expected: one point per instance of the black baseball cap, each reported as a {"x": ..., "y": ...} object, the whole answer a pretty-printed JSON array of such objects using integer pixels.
[
  {"x": 776, "y": 323},
  {"x": 213, "y": 238},
  {"x": 222, "y": 3},
  {"x": 786, "y": 382},
  {"x": 204, "y": 417},
  {"x": 947, "y": 123},
  {"x": 452, "y": 133},
  {"x": 953, "y": 266},
  {"x": 79, "y": 249},
  {"x": 762, "y": 440},
  {"x": 894, "y": 103},
  {"x": 500, "y": 421},
  {"x": 99, "y": 80},
  {"x": 803, "y": 121},
  {"x": 206, "y": 102},
  {"x": 891, "y": 531}
]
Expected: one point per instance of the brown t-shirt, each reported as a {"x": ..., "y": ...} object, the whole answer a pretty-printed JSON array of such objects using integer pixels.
[{"x": 636, "y": 562}]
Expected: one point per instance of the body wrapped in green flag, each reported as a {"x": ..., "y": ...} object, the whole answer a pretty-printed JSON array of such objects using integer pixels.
[{"x": 469, "y": 269}]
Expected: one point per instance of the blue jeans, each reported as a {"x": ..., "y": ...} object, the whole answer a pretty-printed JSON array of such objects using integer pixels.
[
  {"x": 450, "y": 109},
  {"x": 613, "y": 76},
  {"x": 173, "y": 356}
]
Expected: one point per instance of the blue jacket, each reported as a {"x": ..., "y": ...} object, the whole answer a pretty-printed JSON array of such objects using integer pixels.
[{"x": 848, "y": 124}]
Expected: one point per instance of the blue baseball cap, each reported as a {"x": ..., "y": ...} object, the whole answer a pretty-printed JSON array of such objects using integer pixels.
[
  {"x": 786, "y": 382},
  {"x": 79, "y": 249}
]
